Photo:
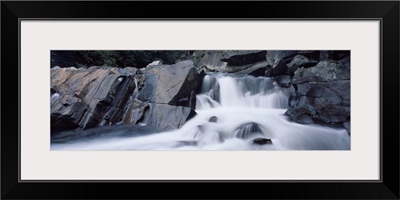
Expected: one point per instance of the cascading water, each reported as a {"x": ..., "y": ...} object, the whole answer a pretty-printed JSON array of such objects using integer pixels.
[{"x": 232, "y": 111}]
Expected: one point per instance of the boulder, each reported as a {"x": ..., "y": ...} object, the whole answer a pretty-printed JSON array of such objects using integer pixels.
[
  {"x": 333, "y": 55},
  {"x": 213, "y": 119},
  {"x": 278, "y": 61},
  {"x": 171, "y": 84},
  {"x": 168, "y": 117},
  {"x": 324, "y": 71},
  {"x": 322, "y": 93},
  {"x": 283, "y": 81},
  {"x": 154, "y": 63},
  {"x": 300, "y": 61},
  {"x": 261, "y": 141},
  {"x": 87, "y": 98},
  {"x": 211, "y": 61},
  {"x": 346, "y": 125},
  {"x": 242, "y": 57}
]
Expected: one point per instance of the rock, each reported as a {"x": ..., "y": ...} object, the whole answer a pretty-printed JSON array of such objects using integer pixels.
[
  {"x": 211, "y": 61},
  {"x": 241, "y": 57},
  {"x": 168, "y": 117},
  {"x": 154, "y": 63},
  {"x": 171, "y": 84},
  {"x": 304, "y": 119},
  {"x": 278, "y": 60},
  {"x": 322, "y": 93},
  {"x": 258, "y": 72},
  {"x": 333, "y": 114},
  {"x": 302, "y": 115},
  {"x": 261, "y": 141},
  {"x": 298, "y": 62},
  {"x": 187, "y": 143},
  {"x": 213, "y": 119},
  {"x": 233, "y": 61},
  {"x": 333, "y": 55},
  {"x": 136, "y": 112},
  {"x": 324, "y": 71},
  {"x": 106, "y": 99},
  {"x": 248, "y": 130},
  {"x": 346, "y": 125},
  {"x": 66, "y": 113},
  {"x": 283, "y": 81},
  {"x": 274, "y": 57},
  {"x": 87, "y": 98}
]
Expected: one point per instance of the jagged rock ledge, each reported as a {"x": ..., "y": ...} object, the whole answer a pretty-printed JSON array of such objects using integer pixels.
[{"x": 162, "y": 96}]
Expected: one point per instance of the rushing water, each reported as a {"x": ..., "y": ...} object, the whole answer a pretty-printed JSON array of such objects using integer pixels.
[{"x": 231, "y": 113}]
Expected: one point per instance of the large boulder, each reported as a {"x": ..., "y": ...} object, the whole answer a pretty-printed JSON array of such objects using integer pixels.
[
  {"x": 162, "y": 96},
  {"x": 278, "y": 61},
  {"x": 300, "y": 61},
  {"x": 169, "y": 117},
  {"x": 322, "y": 93},
  {"x": 171, "y": 84},
  {"x": 89, "y": 97},
  {"x": 324, "y": 71}
]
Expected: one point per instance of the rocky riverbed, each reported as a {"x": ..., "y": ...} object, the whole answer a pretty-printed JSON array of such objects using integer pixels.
[{"x": 315, "y": 86}]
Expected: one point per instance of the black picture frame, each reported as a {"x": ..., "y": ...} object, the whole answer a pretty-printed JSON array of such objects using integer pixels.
[{"x": 386, "y": 11}]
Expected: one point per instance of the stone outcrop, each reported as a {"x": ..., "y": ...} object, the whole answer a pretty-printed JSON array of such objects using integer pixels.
[
  {"x": 318, "y": 82},
  {"x": 322, "y": 94},
  {"x": 160, "y": 95}
]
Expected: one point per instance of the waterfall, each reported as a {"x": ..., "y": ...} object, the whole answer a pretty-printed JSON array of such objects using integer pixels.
[{"x": 233, "y": 111}]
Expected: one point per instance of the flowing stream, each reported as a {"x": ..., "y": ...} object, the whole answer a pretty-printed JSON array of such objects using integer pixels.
[{"x": 232, "y": 111}]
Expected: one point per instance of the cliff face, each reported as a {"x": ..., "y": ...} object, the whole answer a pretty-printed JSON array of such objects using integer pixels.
[{"x": 85, "y": 98}]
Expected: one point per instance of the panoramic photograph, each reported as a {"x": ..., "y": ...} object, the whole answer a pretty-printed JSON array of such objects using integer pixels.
[{"x": 228, "y": 100}]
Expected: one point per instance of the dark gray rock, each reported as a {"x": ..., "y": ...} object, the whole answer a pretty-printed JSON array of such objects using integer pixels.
[
  {"x": 236, "y": 57},
  {"x": 261, "y": 141},
  {"x": 304, "y": 119},
  {"x": 333, "y": 114},
  {"x": 210, "y": 61},
  {"x": 274, "y": 57},
  {"x": 300, "y": 61},
  {"x": 66, "y": 113},
  {"x": 136, "y": 112},
  {"x": 171, "y": 84},
  {"x": 168, "y": 117},
  {"x": 213, "y": 119},
  {"x": 258, "y": 72},
  {"x": 187, "y": 143},
  {"x": 279, "y": 60},
  {"x": 346, "y": 125},
  {"x": 283, "y": 81},
  {"x": 89, "y": 97},
  {"x": 333, "y": 55},
  {"x": 324, "y": 71}
]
